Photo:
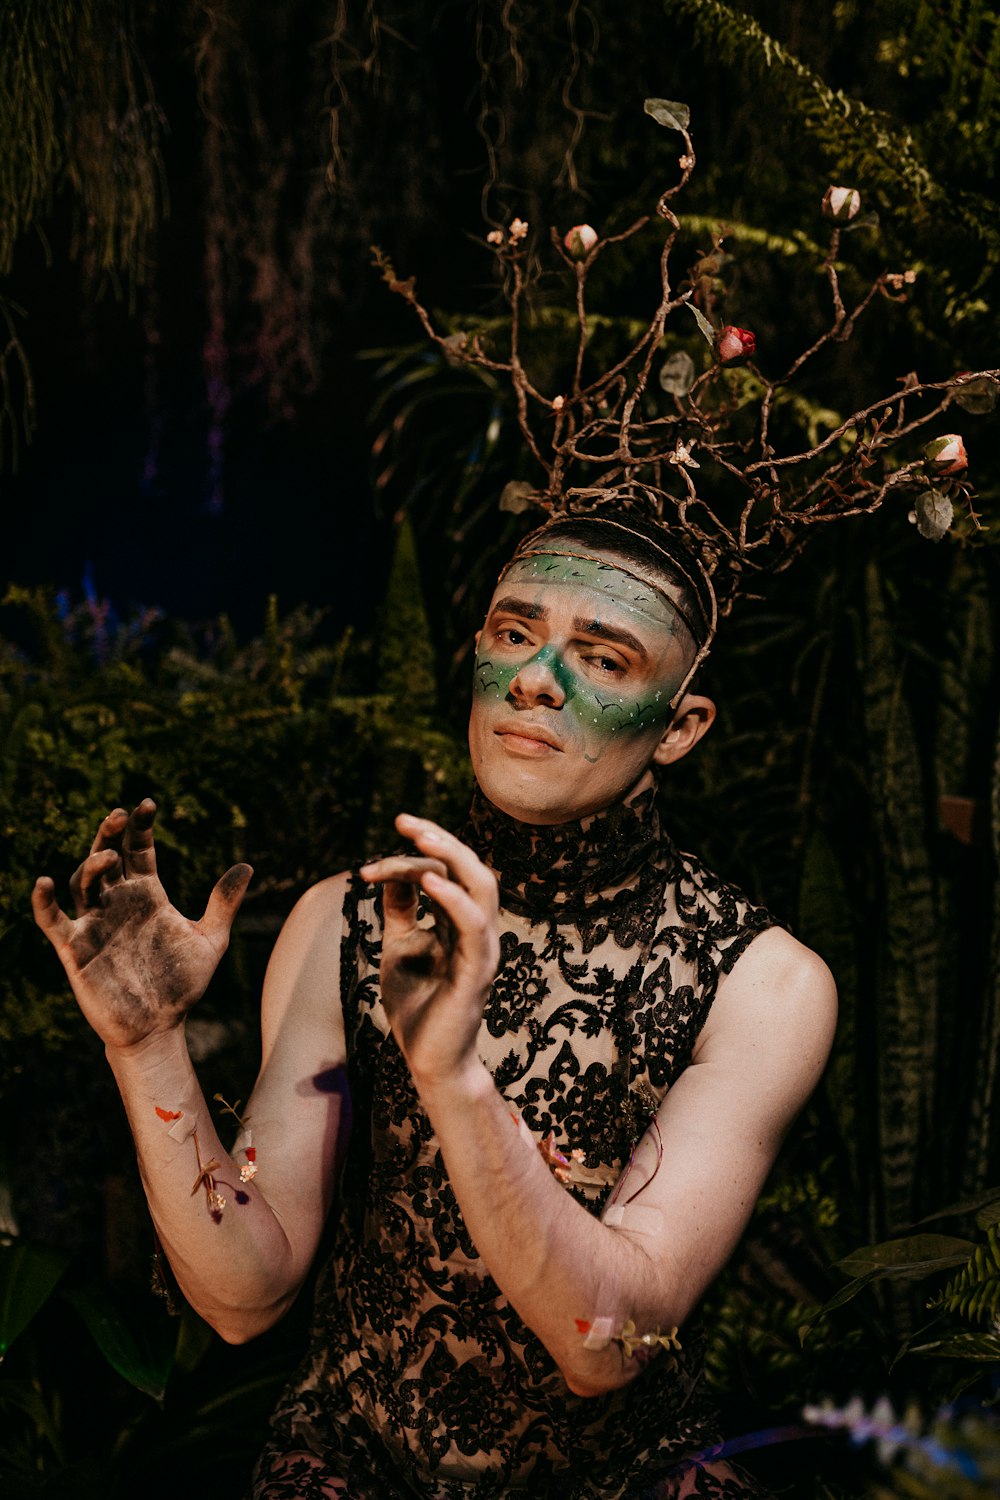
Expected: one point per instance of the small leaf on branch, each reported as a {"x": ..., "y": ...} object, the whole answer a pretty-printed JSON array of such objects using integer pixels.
[
  {"x": 669, "y": 113},
  {"x": 934, "y": 514},
  {"x": 517, "y": 496},
  {"x": 677, "y": 373},
  {"x": 708, "y": 332},
  {"x": 863, "y": 221},
  {"x": 979, "y": 396}
]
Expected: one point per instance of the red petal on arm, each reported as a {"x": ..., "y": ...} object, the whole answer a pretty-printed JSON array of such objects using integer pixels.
[
  {"x": 583, "y": 1324},
  {"x": 169, "y": 1114}
]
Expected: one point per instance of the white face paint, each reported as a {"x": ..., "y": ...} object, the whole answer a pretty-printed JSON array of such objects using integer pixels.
[{"x": 575, "y": 669}]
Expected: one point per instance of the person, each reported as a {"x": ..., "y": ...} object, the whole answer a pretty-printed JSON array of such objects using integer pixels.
[{"x": 543, "y": 1068}]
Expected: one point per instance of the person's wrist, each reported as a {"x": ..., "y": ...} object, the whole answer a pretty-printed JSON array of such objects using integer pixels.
[
  {"x": 157, "y": 1045},
  {"x": 464, "y": 1081}
]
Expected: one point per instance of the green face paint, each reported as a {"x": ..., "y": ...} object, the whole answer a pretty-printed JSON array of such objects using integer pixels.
[{"x": 588, "y": 639}]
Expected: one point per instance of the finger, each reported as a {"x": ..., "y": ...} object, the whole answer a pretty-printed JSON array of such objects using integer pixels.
[
  {"x": 109, "y": 830},
  {"x": 48, "y": 913},
  {"x": 464, "y": 866},
  {"x": 399, "y": 899},
  {"x": 137, "y": 846},
  {"x": 474, "y": 927},
  {"x": 97, "y": 871},
  {"x": 400, "y": 867},
  {"x": 223, "y": 904}
]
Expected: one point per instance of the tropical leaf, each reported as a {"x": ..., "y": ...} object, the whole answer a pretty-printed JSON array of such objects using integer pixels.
[
  {"x": 826, "y": 922},
  {"x": 975, "y": 1205},
  {"x": 913, "y": 1255},
  {"x": 906, "y": 1022},
  {"x": 978, "y": 1346},
  {"x": 28, "y": 1277},
  {"x": 138, "y": 1338}
]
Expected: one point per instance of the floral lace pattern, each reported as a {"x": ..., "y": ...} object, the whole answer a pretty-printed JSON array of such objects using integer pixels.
[{"x": 421, "y": 1380}]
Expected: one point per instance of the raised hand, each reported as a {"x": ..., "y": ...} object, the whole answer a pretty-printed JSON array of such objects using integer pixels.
[
  {"x": 435, "y": 979},
  {"x": 135, "y": 963}
]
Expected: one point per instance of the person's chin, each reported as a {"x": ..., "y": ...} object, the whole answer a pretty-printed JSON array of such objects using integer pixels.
[{"x": 531, "y": 792}]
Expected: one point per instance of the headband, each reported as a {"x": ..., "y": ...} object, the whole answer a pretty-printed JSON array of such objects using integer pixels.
[{"x": 588, "y": 557}]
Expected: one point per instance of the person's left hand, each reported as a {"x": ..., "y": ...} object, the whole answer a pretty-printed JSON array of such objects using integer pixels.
[{"x": 435, "y": 980}]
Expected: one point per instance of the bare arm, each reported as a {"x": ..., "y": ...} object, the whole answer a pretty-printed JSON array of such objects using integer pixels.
[
  {"x": 239, "y": 1246},
  {"x": 720, "y": 1127}
]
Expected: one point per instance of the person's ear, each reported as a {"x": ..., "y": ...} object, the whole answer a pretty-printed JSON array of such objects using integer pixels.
[
  {"x": 476, "y": 638},
  {"x": 692, "y": 718}
]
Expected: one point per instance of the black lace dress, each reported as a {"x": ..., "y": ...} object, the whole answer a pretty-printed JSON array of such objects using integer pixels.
[{"x": 421, "y": 1380}]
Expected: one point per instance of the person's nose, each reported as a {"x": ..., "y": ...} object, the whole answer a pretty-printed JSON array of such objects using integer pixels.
[{"x": 538, "y": 681}]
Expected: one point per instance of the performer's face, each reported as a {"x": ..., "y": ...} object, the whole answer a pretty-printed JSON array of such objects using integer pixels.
[{"x": 576, "y": 666}]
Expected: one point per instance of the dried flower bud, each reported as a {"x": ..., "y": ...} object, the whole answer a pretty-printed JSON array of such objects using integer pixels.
[
  {"x": 558, "y": 402},
  {"x": 682, "y": 456},
  {"x": 685, "y": 161},
  {"x": 734, "y": 345},
  {"x": 518, "y": 229},
  {"x": 841, "y": 203},
  {"x": 580, "y": 240},
  {"x": 495, "y": 237},
  {"x": 947, "y": 455}
]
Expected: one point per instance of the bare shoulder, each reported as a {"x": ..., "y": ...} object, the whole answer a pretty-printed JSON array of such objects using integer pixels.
[
  {"x": 319, "y": 906},
  {"x": 779, "y": 994}
]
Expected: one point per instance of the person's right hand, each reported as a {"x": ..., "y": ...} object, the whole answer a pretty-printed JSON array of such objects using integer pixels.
[{"x": 135, "y": 964}]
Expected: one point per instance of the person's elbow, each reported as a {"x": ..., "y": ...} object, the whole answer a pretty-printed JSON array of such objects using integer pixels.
[
  {"x": 241, "y": 1324},
  {"x": 600, "y": 1374}
]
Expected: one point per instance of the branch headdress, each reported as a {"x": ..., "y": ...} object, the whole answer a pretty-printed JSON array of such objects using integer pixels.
[{"x": 713, "y": 482}]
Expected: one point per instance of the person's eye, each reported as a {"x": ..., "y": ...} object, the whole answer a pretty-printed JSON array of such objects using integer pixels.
[
  {"x": 509, "y": 635},
  {"x": 609, "y": 665}
]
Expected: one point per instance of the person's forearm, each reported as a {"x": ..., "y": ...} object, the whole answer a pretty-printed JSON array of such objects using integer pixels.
[
  {"x": 236, "y": 1269},
  {"x": 558, "y": 1265}
]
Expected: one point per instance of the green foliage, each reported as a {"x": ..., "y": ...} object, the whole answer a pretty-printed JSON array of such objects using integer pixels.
[
  {"x": 877, "y": 148},
  {"x": 27, "y": 1279},
  {"x": 975, "y": 1292},
  {"x": 104, "y": 1394},
  {"x": 276, "y": 750},
  {"x": 406, "y": 659},
  {"x": 77, "y": 112},
  {"x": 267, "y": 752}
]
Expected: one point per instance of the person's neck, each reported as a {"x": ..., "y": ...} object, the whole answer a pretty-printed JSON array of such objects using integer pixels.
[{"x": 554, "y": 867}]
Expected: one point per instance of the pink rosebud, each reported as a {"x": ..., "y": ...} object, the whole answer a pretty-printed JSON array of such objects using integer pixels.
[
  {"x": 734, "y": 345},
  {"x": 841, "y": 203},
  {"x": 947, "y": 455},
  {"x": 580, "y": 240}
]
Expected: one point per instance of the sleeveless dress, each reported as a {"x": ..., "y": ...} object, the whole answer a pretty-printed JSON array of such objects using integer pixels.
[{"x": 421, "y": 1382}]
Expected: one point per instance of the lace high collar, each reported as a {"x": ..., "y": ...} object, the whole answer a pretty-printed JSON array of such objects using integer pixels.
[{"x": 566, "y": 868}]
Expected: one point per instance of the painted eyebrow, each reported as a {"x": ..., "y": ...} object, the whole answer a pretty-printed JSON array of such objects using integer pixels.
[
  {"x": 523, "y": 607},
  {"x": 528, "y": 610},
  {"x": 613, "y": 633}
]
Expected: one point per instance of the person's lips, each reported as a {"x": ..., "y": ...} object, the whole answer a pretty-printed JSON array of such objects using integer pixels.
[{"x": 527, "y": 739}]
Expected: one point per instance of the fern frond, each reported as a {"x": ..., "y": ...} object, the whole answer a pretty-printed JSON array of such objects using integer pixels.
[{"x": 975, "y": 1292}]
